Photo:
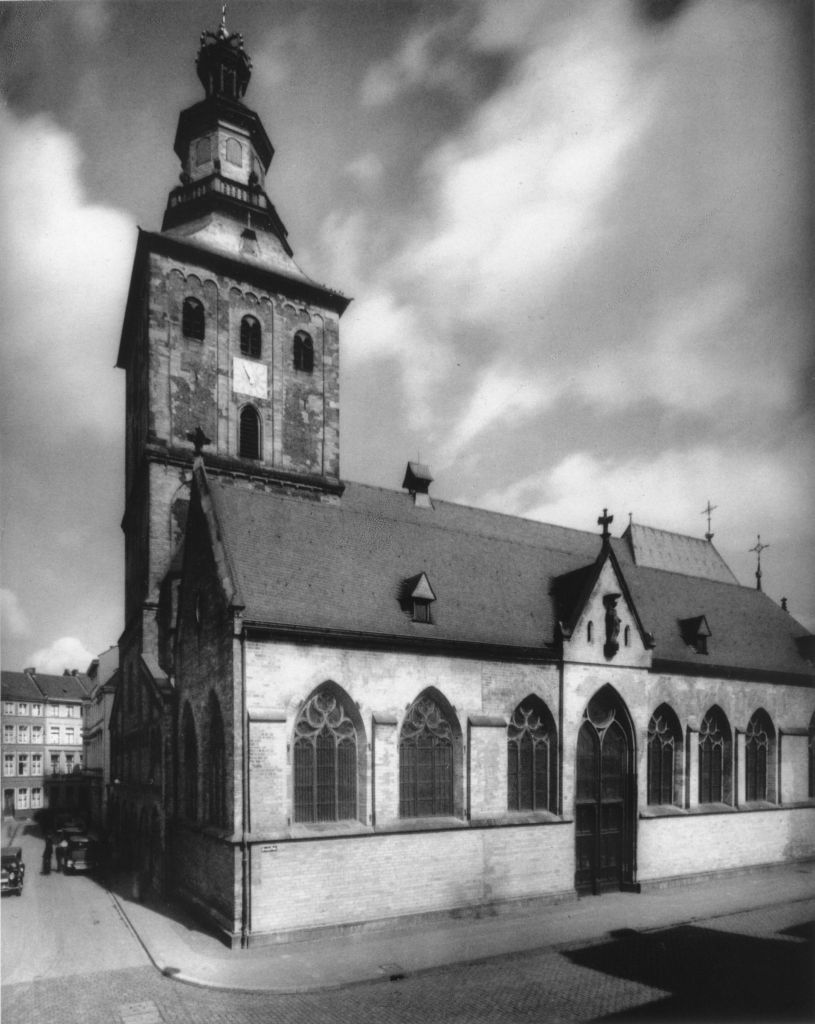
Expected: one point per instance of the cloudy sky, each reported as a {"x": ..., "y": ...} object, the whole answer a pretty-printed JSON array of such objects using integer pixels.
[{"x": 577, "y": 234}]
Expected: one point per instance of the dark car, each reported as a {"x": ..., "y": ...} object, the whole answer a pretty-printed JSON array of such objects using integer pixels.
[
  {"x": 13, "y": 870},
  {"x": 81, "y": 854}
]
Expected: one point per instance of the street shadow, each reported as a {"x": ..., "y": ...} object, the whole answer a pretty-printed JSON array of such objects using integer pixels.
[{"x": 711, "y": 975}]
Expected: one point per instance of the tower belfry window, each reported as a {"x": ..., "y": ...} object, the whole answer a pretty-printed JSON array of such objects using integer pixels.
[
  {"x": 249, "y": 441},
  {"x": 250, "y": 337},
  {"x": 303, "y": 352},
  {"x": 192, "y": 319}
]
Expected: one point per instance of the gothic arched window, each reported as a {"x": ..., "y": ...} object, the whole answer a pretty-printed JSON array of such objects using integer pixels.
[
  {"x": 190, "y": 782},
  {"x": 249, "y": 440},
  {"x": 426, "y": 769},
  {"x": 192, "y": 319},
  {"x": 325, "y": 760},
  {"x": 216, "y": 766},
  {"x": 531, "y": 758},
  {"x": 250, "y": 337},
  {"x": 664, "y": 757},
  {"x": 303, "y": 352},
  {"x": 715, "y": 759},
  {"x": 759, "y": 758}
]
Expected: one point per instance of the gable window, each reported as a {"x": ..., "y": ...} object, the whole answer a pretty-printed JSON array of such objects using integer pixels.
[
  {"x": 664, "y": 757},
  {"x": 759, "y": 758},
  {"x": 249, "y": 440},
  {"x": 590, "y": 632},
  {"x": 325, "y": 760},
  {"x": 303, "y": 352},
  {"x": 531, "y": 758},
  {"x": 192, "y": 319},
  {"x": 715, "y": 759},
  {"x": 627, "y": 636},
  {"x": 250, "y": 337},
  {"x": 426, "y": 751}
]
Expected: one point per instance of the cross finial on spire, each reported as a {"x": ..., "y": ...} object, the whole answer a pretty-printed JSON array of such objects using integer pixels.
[
  {"x": 707, "y": 512},
  {"x": 222, "y": 26},
  {"x": 758, "y": 549},
  {"x": 199, "y": 439},
  {"x": 605, "y": 521}
]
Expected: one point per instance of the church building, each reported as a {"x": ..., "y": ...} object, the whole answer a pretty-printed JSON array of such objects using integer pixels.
[{"x": 425, "y": 707}]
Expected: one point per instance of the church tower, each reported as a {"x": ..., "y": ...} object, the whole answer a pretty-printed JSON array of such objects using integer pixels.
[{"x": 226, "y": 342}]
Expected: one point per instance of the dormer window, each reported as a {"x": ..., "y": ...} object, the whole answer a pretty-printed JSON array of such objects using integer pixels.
[
  {"x": 417, "y": 597},
  {"x": 192, "y": 319},
  {"x": 250, "y": 337},
  {"x": 303, "y": 352},
  {"x": 695, "y": 633}
]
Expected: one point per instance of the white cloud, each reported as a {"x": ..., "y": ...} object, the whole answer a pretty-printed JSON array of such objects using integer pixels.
[
  {"x": 65, "y": 265},
  {"x": 14, "y": 620},
  {"x": 65, "y": 653},
  {"x": 367, "y": 169}
]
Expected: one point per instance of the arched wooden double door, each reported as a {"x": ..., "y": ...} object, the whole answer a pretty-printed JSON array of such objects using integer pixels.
[{"x": 605, "y": 796}]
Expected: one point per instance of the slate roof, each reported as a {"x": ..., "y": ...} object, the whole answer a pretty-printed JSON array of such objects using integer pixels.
[
  {"x": 20, "y": 686},
  {"x": 343, "y": 566},
  {"x": 674, "y": 552}
]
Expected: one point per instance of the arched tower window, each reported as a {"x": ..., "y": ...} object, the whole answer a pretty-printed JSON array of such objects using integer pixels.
[
  {"x": 303, "y": 352},
  {"x": 426, "y": 761},
  {"x": 715, "y": 759},
  {"x": 325, "y": 760},
  {"x": 192, "y": 319},
  {"x": 216, "y": 766},
  {"x": 759, "y": 758},
  {"x": 531, "y": 758},
  {"x": 190, "y": 779},
  {"x": 234, "y": 152},
  {"x": 664, "y": 757},
  {"x": 249, "y": 440},
  {"x": 250, "y": 337}
]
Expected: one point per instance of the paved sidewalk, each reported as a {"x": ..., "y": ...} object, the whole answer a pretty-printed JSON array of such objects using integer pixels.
[{"x": 179, "y": 948}]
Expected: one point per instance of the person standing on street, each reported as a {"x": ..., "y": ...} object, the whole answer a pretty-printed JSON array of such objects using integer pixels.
[
  {"x": 62, "y": 852},
  {"x": 46, "y": 855}
]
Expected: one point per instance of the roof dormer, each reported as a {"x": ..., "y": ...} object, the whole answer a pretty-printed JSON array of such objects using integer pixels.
[{"x": 695, "y": 633}]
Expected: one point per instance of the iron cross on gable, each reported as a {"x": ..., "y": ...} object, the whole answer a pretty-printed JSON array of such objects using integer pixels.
[
  {"x": 199, "y": 439},
  {"x": 605, "y": 521}
]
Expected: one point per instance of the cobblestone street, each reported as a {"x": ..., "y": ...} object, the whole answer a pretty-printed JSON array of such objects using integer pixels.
[{"x": 757, "y": 972}]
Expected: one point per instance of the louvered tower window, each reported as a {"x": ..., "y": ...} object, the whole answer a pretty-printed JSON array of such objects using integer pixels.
[
  {"x": 303, "y": 352},
  {"x": 250, "y": 337},
  {"x": 192, "y": 319},
  {"x": 325, "y": 761}
]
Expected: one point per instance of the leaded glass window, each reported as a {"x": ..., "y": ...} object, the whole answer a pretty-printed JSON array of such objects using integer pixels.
[
  {"x": 325, "y": 761},
  {"x": 759, "y": 749},
  {"x": 531, "y": 752},
  {"x": 425, "y": 762},
  {"x": 715, "y": 779},
  {"x": 664, "y": 753}
]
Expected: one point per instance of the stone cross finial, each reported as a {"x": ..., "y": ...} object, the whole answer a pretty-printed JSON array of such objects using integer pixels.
[
  {"x": 199, "y": 439},
  {"x": 605, "y": 521}
]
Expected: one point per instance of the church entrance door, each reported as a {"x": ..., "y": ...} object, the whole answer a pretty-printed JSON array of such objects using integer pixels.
[{"x": 605, "y": 797}]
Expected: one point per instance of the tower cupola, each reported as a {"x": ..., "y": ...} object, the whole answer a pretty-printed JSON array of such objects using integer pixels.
[{"x": 223, "y": 65}]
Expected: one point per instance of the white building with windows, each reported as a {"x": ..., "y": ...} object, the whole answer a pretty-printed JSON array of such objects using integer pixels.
[{"x": 42, "y": 741}]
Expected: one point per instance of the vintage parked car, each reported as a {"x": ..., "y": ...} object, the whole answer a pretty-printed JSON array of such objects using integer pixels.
[
  {"x": 13, "y": 869},
  {"x": 81, "y": 854}
]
